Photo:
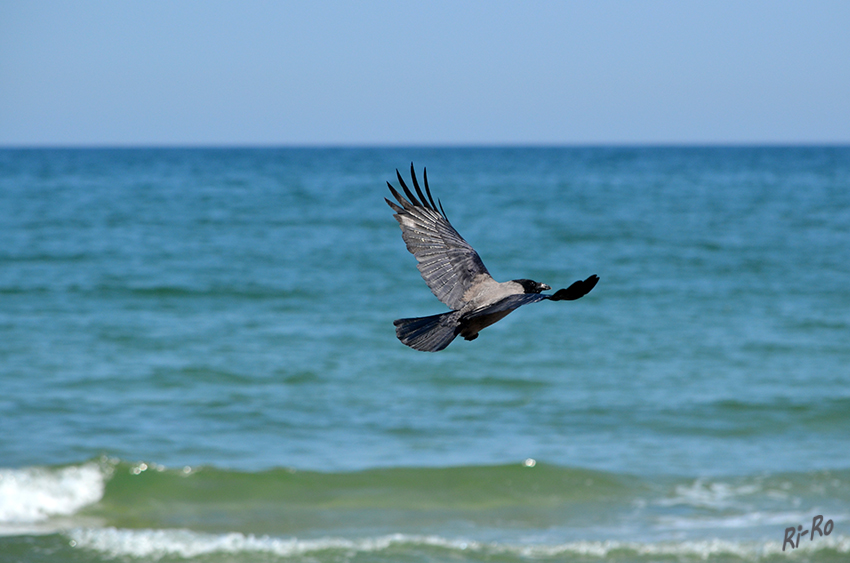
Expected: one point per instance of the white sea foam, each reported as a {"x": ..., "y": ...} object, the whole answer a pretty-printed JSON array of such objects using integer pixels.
[
  {"x": 34, "y": 494},
  {"x": 157, "y": 544}
]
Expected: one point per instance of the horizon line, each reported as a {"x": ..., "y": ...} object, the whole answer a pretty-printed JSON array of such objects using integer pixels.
[{"x": 425, "y": 146}]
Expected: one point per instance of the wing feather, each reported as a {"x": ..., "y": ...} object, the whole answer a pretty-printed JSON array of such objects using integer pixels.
[
  {"x": 448, "y": 264},
  {"x": 509, "y": 304},
  {"x": 577, "y": 290}
]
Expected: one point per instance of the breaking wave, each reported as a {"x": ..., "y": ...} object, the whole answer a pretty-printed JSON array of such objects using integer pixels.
[
  {"x": 34, "y": 494},
  {"x": 159, "y": 544}
]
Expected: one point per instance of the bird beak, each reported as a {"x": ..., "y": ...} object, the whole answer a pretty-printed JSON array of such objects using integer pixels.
[{"x": 544, "y": 287}]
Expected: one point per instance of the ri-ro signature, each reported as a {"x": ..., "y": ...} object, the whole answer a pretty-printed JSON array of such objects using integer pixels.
[{"x": 792, "y": 533}]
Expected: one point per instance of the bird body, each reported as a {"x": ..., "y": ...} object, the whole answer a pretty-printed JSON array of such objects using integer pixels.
[{"x": 457, "y": 276}]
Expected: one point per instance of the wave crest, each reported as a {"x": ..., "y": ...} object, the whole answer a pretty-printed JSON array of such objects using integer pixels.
[
  {"x": 158, "y": 544},
  {"x": 34, "y": 494}
]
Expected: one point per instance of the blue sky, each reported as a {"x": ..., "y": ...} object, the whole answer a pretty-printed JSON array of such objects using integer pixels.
[{"x": 457, "y": 72}]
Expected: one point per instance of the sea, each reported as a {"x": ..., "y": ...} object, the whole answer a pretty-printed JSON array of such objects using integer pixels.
[{"x": 198, "y": 361}]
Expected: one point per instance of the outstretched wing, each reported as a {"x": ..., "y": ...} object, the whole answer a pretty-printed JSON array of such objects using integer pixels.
[
  {"x": 448, "y": 264},
  {"x": 508, "y": 304},
  {"x": 575, "y": 291}
]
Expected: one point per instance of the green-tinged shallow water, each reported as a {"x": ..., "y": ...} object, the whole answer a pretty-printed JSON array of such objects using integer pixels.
[
  {"x": 198, "y": 362},
  {"x": 524, "y": 511}
]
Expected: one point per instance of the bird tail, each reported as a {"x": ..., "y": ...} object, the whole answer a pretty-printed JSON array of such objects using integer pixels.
[{"x": 428, "y": 334}]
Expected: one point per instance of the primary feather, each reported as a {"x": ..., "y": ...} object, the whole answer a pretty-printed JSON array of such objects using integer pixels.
[{"x": 448, "y": 264}]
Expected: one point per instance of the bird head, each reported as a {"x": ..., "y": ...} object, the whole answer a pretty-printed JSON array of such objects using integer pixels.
[{"x": 531, "y": 286}]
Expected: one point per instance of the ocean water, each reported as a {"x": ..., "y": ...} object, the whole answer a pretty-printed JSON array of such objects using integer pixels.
[{"x": 198, "y": 362}]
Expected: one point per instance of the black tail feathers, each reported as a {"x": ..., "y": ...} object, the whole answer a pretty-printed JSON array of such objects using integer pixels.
[{"x": 428, "y": 334}]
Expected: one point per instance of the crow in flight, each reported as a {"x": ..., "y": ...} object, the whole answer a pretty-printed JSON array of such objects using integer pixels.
[{"x": 456, "y": 275}]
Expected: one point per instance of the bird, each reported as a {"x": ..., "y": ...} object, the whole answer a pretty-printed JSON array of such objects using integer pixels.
[{"x": 456, "y": 275}]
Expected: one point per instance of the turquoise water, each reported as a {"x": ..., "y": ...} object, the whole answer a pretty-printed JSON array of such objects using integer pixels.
[{"x": 197, "y": 357}]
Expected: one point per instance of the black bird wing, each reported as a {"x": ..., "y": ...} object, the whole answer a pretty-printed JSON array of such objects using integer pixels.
[
  {"x": 508, "y": 304},
  {"x": 448, "y": 264},
  {"x": 578, "y": 289}
]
